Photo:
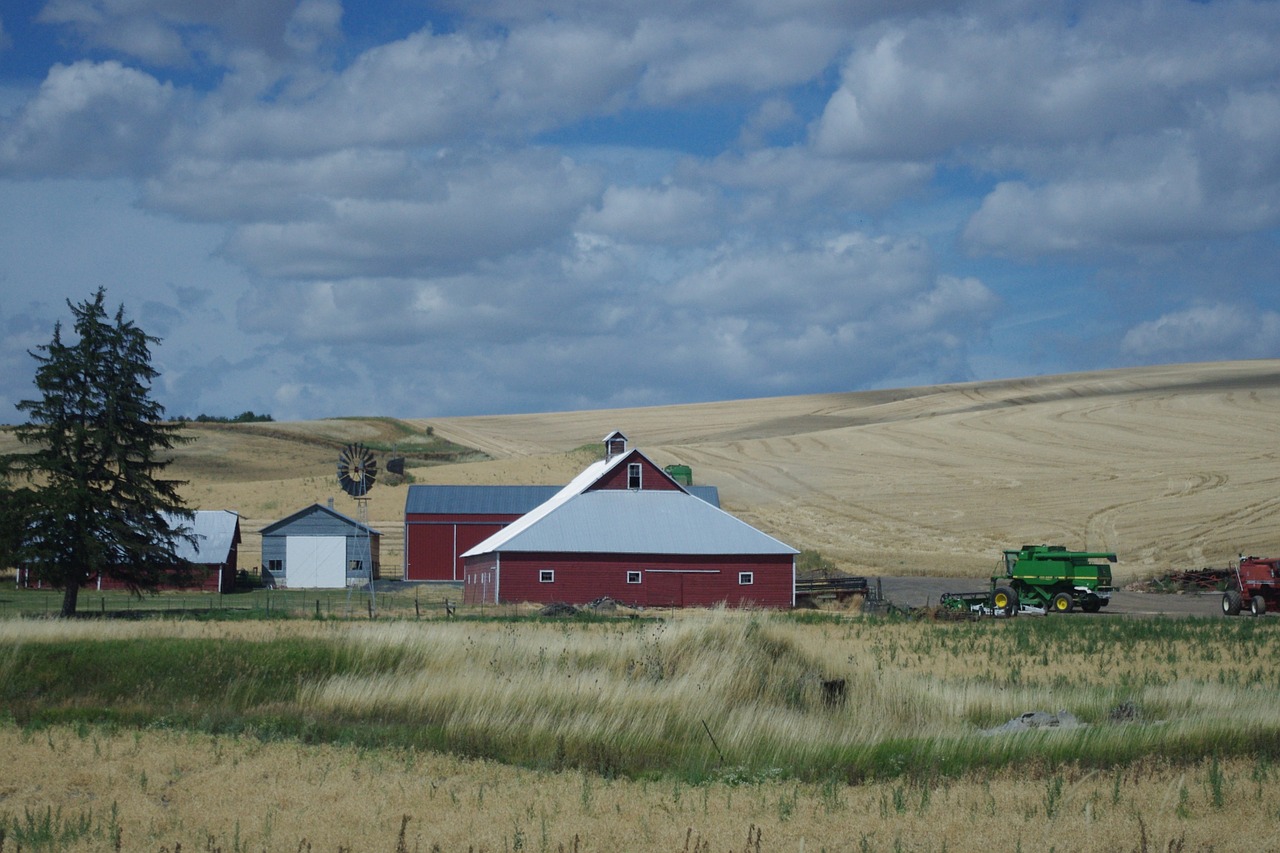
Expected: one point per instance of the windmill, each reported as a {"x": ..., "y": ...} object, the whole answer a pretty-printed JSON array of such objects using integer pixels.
[{"x": 357, "y": 472}]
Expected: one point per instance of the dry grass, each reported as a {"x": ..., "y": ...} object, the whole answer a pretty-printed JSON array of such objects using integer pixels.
[
  {"x": 753, "y": 677},
  {"x": 159, "y": 790}
]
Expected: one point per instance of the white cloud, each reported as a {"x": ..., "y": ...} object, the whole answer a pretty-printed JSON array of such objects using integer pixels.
[
  {"x": 1208, "y": 332},
  {"x": 174, "y": 32},
  {"x": 667, "y": 215},
  {"x": 97, "y": 119}
]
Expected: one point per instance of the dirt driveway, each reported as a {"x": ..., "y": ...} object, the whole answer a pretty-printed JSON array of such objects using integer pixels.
[{"x": 922, "y": 592}]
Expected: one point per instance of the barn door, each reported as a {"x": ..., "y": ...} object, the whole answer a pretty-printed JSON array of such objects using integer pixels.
[
  {"x": 666, "y": 589},
  {"x": 315, "y": 561}
]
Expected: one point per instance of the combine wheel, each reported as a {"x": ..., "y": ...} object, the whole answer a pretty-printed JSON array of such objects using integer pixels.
[
  {"x": 1258, "y": 606},
  {"x": 1231, "y": 603},
  {"x": 1062, "y": 603},
  {"x": 1005, "y": 601},
  {"x": 1091, "y": 605}
]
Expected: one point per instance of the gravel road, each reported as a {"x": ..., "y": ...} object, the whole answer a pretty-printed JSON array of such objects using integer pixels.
[{"x": 922, "y": 592}]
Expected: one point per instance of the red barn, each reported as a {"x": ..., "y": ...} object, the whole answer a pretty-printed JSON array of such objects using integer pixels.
[
  {"x": 213, "y": 556},
  {"x": 442, "y": 522},
  {"x": 626, "y": 529}
]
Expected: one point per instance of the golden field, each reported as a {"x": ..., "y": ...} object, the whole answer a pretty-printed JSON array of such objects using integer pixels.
[
  {"x": 1170, "y": 467},
  {"x": 912, "y": 684}
]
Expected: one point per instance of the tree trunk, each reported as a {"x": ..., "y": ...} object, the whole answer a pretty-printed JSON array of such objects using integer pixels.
[{"x": 69, "y": 597}]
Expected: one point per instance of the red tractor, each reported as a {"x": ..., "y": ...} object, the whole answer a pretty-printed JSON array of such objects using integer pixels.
[{"x": 1255, "y": 581}]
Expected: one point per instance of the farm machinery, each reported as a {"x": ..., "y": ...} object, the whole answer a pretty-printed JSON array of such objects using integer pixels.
[
  {"x": 1042, "y": 579},
  {"x": 1255, "y": 581}
]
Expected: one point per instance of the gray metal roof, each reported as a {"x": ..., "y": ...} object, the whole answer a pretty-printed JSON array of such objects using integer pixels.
[
  {"x": 499, "y": 500},
  {"x": 214, "y": 529},
  {"x": 332, "y": 513},
  {"x": 621, "y": 521},
  {"x": 476, "y": 500}
]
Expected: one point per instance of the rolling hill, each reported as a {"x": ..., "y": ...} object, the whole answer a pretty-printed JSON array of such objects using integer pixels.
[{"x": 1172, "y": 467}]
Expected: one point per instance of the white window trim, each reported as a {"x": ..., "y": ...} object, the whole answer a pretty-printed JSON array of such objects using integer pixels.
[
  {"x": 636, "y": 469},
  {"x": 546, "y": 575},
  {"x": 634, "y": 574},
  {"x": 746, "y": 578}
]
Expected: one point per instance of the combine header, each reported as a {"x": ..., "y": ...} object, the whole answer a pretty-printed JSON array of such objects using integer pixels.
[{"x": 1040, "y": 579}]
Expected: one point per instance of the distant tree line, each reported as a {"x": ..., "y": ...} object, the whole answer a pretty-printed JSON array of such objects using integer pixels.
[{"x": 242, "y": 418}]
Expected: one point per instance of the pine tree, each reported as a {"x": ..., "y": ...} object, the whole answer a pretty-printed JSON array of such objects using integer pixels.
[{"x": 96, "y": 493}]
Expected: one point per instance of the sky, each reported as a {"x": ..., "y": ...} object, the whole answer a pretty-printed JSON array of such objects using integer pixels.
[{"x": 427, "y": 209}]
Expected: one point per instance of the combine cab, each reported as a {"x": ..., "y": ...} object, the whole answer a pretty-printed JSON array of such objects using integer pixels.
[
  {"x": 1043, "y": 578},
  {"x": 1256, "y": 581}
]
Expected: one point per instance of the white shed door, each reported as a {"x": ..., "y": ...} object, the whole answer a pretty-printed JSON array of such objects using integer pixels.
[{"x": 315, "y": 561}]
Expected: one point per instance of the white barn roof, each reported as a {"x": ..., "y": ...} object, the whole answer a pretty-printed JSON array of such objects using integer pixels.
[
  {"x": 626, "y": 521},
  {"x": 214, "y": 530}
]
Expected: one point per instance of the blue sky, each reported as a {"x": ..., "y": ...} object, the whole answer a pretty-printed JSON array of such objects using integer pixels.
[{"x": 493, "y": 206}]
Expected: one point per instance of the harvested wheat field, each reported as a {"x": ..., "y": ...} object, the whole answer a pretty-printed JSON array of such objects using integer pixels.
[{"x": 1171, "y": 467}]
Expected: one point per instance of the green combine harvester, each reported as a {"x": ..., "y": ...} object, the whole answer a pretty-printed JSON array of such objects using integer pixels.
[{"x": 1042, "y": 579}]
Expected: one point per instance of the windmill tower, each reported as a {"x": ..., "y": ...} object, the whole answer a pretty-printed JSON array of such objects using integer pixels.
[{"x": 357, "y": 472}]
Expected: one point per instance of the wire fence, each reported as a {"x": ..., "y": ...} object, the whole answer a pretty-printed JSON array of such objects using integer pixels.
[{"x": 393, "y": 601}]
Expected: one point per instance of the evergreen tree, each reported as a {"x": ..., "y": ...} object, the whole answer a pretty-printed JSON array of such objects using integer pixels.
[{"x": 96, "y": 493}]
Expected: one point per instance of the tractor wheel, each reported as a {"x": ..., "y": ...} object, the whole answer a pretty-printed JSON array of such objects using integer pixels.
[
  {"x": 1091, "y": 605},
  {"x": 1005, "y": 601},
  {"x": 1231, "y": 603},
  {"x": 1062, "y": 603},
  {"x": 1258, "y": 606}
]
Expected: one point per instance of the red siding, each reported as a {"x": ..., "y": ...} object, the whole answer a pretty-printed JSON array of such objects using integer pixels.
[
  {"x": 434, "y": 544},
  {"x": 480, "y": 581},
  {"x": 665, "y": 581},
  {"x": 207, "y": 578},
  {"x": 651, "y": 476}
]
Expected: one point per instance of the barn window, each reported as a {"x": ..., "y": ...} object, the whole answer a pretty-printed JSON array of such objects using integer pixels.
[
  {"x": 746, "y": 578},
  {"x": 633, "y": 475},
  {"x": 355, "y": 565},
  {"x": 275, "y": 565},
  {"x": 633, "y": 577},
  {"x": 547, "y": 576}
]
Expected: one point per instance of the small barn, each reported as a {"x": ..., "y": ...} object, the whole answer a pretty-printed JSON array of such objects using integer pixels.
[
  {"x": 627, "y": 530},
  {"x": 319, "y": 547},
  {"x": 441, "y": 523},
  {"x": 213, "y": 555}
]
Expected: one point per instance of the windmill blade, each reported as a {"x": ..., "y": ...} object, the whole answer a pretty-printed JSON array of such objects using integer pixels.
[{"x": 357, "y": 470}]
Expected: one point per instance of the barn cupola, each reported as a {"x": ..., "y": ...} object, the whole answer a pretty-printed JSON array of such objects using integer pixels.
[{"x": 615, "y": 444}]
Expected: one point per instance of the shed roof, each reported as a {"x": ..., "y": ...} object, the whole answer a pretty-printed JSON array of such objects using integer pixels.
[
  {"x": 275, "y": 527},
  {"x": 216, "y": 532}
]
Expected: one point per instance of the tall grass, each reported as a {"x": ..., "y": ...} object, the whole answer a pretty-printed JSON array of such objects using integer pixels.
[{"x": 712, "y": 694}]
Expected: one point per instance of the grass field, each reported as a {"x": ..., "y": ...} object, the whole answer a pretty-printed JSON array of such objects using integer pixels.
[
  {"x": 291, "y": 721},
  {"x": 707, "y": 731}
]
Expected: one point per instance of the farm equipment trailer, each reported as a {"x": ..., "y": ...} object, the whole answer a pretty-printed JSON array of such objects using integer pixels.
[
  {"x": 1042, "y": 579},
  {"x": 810, "y": 591},
  {"x": 1255, "y": 580}
]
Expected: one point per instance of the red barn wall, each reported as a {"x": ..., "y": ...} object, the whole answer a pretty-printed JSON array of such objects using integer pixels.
[
  {"x": 652, "y": 478},
  {"x": 480, "y": 580},
  {"x": 666, "y": 580},
  {"x": 434, "y": 544}
]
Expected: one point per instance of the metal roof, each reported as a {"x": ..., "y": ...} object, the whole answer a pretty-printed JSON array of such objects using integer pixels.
[
  {"x": 476, "y": 500},
  {"x": 499, "y": 500},
  {"x": 623, "y": 521},
  {"x": 215, "y": 532},
  {"x": 333, "y": 513}
]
